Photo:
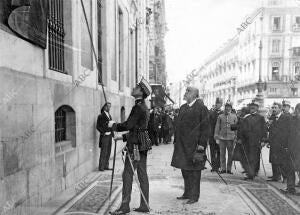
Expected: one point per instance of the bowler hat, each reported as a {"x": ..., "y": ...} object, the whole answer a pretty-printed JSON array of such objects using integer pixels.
[{"x": 254, "y": 102}]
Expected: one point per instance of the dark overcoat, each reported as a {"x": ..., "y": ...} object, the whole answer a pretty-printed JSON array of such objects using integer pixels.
[
  {"x": 137, "y": 122},
  {"x": 278, "y": 138},
  {"x": 294, "y": 141},
  {"x": 102, "y": 126},
  {"x": 192, "y": 129}
]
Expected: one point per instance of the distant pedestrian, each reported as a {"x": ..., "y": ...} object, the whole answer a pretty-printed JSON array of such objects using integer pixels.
[
  {"x": 105, "y": 140},
  {"x": 224, "y": 136},
  {"x": 192, "y": 133},
  {"x": 286, "y": 107},
  {"x": 214, "y": 147}
]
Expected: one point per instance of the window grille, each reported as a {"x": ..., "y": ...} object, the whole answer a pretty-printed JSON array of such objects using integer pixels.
[
  {"x": 60, "y": 125},
  {"x": 56, "y": 36}
]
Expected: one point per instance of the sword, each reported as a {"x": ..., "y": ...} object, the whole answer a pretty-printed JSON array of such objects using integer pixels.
[
  {"x": 136, "y": 179},
  {"x": 113, "y": 170}
]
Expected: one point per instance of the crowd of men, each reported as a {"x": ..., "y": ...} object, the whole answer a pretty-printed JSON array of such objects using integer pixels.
[
  {"x": 245, "y": 133},
  {"x": 240, "y": 134},
  {"x": 161, "y": 125}
]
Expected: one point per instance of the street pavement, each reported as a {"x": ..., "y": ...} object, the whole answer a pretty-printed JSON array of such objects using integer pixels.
[{"x": 238, "y": 197}]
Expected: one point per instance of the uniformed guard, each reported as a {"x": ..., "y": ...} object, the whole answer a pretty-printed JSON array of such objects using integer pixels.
[
  {"x": 138, "y": 144},
  {"x": 214, "y": 147},
  {"x": 286, "y": 107}
]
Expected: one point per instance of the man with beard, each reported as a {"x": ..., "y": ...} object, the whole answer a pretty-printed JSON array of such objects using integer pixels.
[
  {"x": 254, "y": 131},
  {"x": 214, "y": 147},
  {"x": 192, "y": 134}
]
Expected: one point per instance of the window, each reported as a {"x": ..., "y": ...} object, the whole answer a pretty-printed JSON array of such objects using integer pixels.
[
  {"x": 296, "y": 25},
  {"x": 65, "y": 125},
  {"x": 275, "y": 46},
  {"x": 276, "y": 24},
  {"x": 86, "y": 44},
  {"x": 56, "y": 36},
  {"x": 121, "y": 49},
  {"x": 297, "y": 69},
  {"x": 99, "y": 19},
  {"x": 60, "y": 125},
  {"x": 275, "y": 71}
]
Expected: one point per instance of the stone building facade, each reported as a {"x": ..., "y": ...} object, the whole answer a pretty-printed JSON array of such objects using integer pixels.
[
  {"x": 51, "y": 96},
  {"x": 232, "y": 72},
  {"x": 157, "y": 31}
]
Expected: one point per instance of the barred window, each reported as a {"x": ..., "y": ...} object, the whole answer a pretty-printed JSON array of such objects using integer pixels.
[
  {"x": 65, "y": 125},
  {"x": 56, "y": 36},
  {"x": 60, "y": 125}
]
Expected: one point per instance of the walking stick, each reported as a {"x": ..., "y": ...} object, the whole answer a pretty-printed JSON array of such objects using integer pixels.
[
  {"x": 113, "y": 170},
  {"x": 217, "y": 173}
]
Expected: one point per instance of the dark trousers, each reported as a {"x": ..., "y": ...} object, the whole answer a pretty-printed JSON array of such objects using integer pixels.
[
  {"x": 289, "y": 172},
  {"x": 253, "y": 154},
  {"x": 276, "y": 171},
  {"x": 191, "y": 183},
  {"x": 154, "y": 137},
  {"x": 214, "y": 154},
  {"x": 105, "y": 152},
  {"x": 141, "y": 167}
]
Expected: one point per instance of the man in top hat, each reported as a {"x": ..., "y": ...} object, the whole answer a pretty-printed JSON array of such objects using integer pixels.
[
  {"x": 224, "y": 137},
  {"x": 286, "y": 107},
  {"x": 192, "y": 133},
  {"x": 105, "y": 140},
  {"x": 214, "y": 147},
  {"x": 254, "y": 131},
  {"x": 138, "y": 144}
]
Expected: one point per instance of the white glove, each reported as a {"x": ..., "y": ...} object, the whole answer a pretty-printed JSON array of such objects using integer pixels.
[
  {"x": 218, "y": 141},
  {"x": 111, "y": 123}
]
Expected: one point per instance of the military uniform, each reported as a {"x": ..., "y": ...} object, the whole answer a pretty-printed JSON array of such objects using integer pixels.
[
  {"x": 137, "y": 137},
  {"x": 214, "y": 147}
]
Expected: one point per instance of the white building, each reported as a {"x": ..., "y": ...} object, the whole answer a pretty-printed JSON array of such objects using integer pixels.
[
  {"x": 51, "y": 93},
  {"x": 232, "y": 72}
]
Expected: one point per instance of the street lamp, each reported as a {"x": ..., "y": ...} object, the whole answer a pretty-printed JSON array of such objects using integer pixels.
[{"x": 260, "y": 83}]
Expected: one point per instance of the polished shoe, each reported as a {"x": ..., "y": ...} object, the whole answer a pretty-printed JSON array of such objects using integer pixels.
[
  {"x": 108, "y": 169},
  {"x": 191, "y": 201},
  {"x": 270, "y": 177},
  {"x": 101, "y": 170},
  {"x": 182, "y": 198},
  {"x": 141, "y": 210},
  {"x": 222, "y": 171},
  {"x": 120, "y": 212},
  {"x": 273, "y": 179},
  {"x": 229, "y": 172},
  {"x": 214, "y": 170}
]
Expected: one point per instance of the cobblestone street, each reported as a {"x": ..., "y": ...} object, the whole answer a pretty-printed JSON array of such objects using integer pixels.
[{"x": 166, "y": 183}]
